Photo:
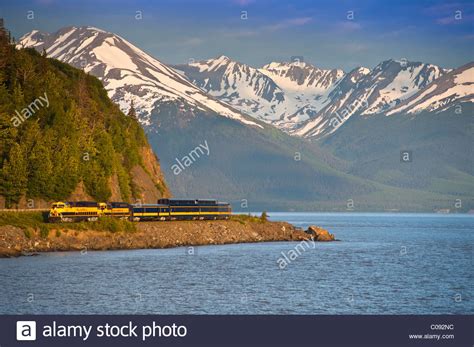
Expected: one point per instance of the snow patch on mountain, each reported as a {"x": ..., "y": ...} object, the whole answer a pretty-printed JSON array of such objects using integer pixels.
[{"x": 454, "y": 88}]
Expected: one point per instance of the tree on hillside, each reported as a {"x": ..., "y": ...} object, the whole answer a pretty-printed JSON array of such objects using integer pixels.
[
  {"x": 41, "y": 171},
  {"x": 132, "y": 113},
  {"x": 14, "y": 176}
]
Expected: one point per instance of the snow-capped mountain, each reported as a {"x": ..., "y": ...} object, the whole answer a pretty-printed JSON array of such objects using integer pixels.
[
  {"x": 369, "y": 92},
  {"x": 128, "y": 73},
  {"x": 301, "y": 76},
  {"x": 452, "y": 89},
  {"x": 297, "y": 97},
  {"x": 240, "y": 85},
  {"x": 306, "y": 101},
  {"x": 283, "y": 94}
]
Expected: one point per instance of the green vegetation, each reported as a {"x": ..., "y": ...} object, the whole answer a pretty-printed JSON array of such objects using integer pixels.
[
  {"x": 22, "y": 219},
  {"x": 37, "y": 221},
  {"x": 44, "y": 230},
  {"x": 246, "y": 218},
  {"x": 113, "y": 225},
  {"x": 27, "y": 233},
  {"x": 78, "y": 135}
]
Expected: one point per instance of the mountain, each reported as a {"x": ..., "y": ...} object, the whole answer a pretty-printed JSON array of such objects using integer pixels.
[
  {"x": 452, "y": 89},
  {"x": 369, "y": 92},
  {"x": 254, "y": 165},
  {"x": 282, "y": 94},
  {"x": 437, "y": 146},
  {"x": 128, "y": 73},
  {"x": 244, "y": 156},
  {"x": 327, "y": 121},
  {"x": 301, "y": 76},
  {"x": 307, "y": 101},
  {"x": 239, "y": 85},
  {"x": 62, "y": 138}
]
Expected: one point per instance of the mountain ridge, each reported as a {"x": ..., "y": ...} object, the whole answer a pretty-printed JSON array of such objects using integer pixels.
[
  {"x": 124, "y": 69},
  {"x": 297, "y": 97},
  {"x": 259, "y": 163}
]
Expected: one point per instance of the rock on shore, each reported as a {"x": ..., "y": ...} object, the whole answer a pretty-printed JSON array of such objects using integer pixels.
[
  {"x": 14, "y": 240},
  {"x": 320, "y": 234}
]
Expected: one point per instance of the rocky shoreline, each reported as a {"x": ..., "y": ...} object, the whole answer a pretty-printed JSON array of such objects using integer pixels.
[{"x": 15, "y": 241}]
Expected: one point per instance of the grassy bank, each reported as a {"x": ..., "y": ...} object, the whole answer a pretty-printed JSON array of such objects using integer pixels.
[
  {"x": 38, "y": 221},
  {"x": 248, "y": 218}
]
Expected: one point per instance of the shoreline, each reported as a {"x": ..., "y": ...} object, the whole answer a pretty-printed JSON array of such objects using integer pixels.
[{"x": 17, "y": 241}]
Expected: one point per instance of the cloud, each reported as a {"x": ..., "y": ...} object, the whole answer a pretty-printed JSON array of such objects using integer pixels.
[
  {"x": 243, "y": 2},
  {"x": 293, "y": 22},
  {"x": 299, "y": 21},
  {"x": 455, "y": 18},
  {"x": 354, "y": 47},
  {"x": 285, "y": 24},
  {"x": 240, "y": 33},
  {"x": 349, "y": 26},
  {"x": 407, "y": 30},
  {"x": 193, "y": 41},
  {"x": 445, "y": 20},
  {"x": 445, "y": 8},
  {"x": 450, "y": 13}
]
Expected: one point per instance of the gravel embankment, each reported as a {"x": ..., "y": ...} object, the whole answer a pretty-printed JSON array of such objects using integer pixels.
[{"x": 15, "y": 241}]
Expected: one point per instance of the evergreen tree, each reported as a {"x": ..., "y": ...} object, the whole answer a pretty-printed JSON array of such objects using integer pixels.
[
  {"x": 14, "y": 176},
  {"x": 132, "y": 113},
  {"x": 40, "y": 169}
]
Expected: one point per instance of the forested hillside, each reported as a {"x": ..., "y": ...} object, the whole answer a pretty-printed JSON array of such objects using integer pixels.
[{"x": 61, "y": 136}]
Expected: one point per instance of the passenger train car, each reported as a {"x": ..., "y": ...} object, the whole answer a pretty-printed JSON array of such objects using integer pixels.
[
  {"x": 164, "y": 209},
  {"x": 174, "y": 209}
]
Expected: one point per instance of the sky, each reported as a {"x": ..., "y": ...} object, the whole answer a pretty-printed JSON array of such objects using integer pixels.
[{"x": 328, "y": 34}]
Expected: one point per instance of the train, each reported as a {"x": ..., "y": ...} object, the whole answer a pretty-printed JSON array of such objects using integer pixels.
[{"x": 163, "y": 210}]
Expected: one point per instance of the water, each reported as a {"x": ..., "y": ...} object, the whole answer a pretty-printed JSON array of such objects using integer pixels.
[{"x": 385, "y": 264}]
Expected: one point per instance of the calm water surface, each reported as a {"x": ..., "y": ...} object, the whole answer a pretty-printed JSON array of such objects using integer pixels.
[{"x": 385, "y": 263}]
